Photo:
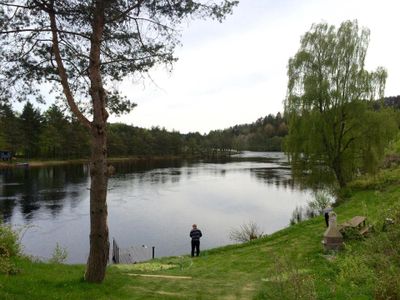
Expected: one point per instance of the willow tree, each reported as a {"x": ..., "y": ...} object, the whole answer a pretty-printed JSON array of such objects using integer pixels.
[
  {"x": 333, "y": 130},
  {"x": 82, "y": 48}
]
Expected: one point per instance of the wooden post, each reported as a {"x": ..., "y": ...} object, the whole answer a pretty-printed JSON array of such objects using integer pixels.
[
  {"x": 152, "y": 252},
  {"x": 115, "y": 254}
]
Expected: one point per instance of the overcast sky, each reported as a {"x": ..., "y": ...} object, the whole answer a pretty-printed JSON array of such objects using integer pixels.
[{"x": 235, "y": 72}]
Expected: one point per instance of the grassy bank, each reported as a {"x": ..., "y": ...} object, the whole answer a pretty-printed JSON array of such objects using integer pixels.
[{"x": 289, "y": 264}]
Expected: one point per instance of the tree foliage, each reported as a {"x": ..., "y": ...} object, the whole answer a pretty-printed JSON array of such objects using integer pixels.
[
  {"x": 10, "y": 132},
  {"x": 134, "y": 36},
  {"x": 31, "y": 121},
  {"x": 265, "y": 134},
  {"x": 333, "y": 130}
]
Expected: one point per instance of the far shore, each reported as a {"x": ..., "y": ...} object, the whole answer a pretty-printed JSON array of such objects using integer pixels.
[
  {"x": 45, "y": 163},
  {"x": 23, "y": 162}
]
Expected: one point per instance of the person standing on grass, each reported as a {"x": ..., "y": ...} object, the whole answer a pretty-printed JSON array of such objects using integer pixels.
[{"x": 195, "y": 234}]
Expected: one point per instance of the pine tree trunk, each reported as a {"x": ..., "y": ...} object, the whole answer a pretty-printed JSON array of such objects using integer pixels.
[{"x": 99, "y": 242}]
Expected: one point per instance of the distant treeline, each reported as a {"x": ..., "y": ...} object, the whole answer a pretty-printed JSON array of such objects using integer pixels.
[
  {"x": 53, "y": 135},
  {"x": 265, "y": 134},
  {"x": 393, "y": 102}
]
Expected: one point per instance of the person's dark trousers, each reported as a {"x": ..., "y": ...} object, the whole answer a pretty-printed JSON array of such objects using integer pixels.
[
  {"x": 195, "y": 247},
  {"x": 327, "y": 219}
]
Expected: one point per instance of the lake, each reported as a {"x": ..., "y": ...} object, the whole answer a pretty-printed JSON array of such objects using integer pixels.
[{"x": 151, "y": 203}]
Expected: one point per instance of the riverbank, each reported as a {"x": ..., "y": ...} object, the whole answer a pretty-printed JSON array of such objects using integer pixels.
[
  {"x": 46, "y": 163},
  {"x": 289, "y": 264}
]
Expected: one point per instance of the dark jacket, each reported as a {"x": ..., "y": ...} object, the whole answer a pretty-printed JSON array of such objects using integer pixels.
[{"x": 195, "y": 234}]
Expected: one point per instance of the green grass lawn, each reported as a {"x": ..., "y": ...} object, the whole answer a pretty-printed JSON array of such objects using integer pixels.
[{"x": 289, "y": 264}]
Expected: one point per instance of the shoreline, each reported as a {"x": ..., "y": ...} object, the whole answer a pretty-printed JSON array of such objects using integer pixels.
[
  {"x": 46, "y": 163},
  {"x": 35, "y": 163}
]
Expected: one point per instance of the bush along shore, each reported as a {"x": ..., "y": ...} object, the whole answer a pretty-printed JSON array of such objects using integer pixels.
[{"x": 289, "y": 264}]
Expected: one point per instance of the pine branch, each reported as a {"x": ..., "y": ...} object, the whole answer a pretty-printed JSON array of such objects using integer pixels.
[{"x": 63, "y": 74}]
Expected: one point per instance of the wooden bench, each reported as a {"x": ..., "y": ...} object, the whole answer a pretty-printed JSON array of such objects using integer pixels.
[
  {"x": 358, "y": 223},
  {"x": 364, "y": 230}
]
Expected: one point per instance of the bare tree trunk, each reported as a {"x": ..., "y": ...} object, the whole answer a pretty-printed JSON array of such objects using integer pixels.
[
  {"x": 338, "y": 170},
  {"x": 99, "y": 242}
]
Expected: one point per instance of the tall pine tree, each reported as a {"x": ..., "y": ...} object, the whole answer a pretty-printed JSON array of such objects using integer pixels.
[{"x": 84, "y": 47}]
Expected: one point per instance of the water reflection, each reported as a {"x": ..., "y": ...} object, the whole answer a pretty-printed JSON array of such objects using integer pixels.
[
  {"x": 32, "y": 189},
  {"x": 151, "y": 202},
  {"x": 280, "y": 177}
]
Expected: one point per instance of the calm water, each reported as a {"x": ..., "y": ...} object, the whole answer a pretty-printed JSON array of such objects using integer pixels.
[{"x": 151, "y": 204}]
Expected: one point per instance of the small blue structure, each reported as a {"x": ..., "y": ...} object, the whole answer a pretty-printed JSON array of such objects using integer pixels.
[{"x": 5, "y": 155}]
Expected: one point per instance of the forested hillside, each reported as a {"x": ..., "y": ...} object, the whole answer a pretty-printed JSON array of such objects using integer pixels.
[
  {"x": 53, "y": 134},
  {"x": 265, "y": 134}
]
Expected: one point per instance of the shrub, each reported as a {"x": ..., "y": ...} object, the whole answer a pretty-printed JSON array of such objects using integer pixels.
[
  {"x": 9, "y": 240},
  {"x": 378, "y": 182},
  {"x": 297, "y": 215},
  {"x": 246, "y": 232},
  {"x": 321, "y": 200},
  {"x": 315, "y": 207},
  {"x": 350, "y": 233},
  {"x": 9, "y": 248},
  {"x": 59, "y": 255}
]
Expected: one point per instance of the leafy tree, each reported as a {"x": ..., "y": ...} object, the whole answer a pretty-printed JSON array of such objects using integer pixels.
[
  {"x": 83, "y": 48},
  {"x": 240, "y": 142},
  {"x": 333, "y": 130},
  {"x": 54, "y": 138},
  {"x": 10, "y": 131},
  {"x": 116, "y": 144},
  {"x": 31, "y": 126},
  {"x": 269, "y": 130},
  {"x": 282, "y": 129},
  {"x": 78, "y": 140},
  {"x": 193, "y": 143}
]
